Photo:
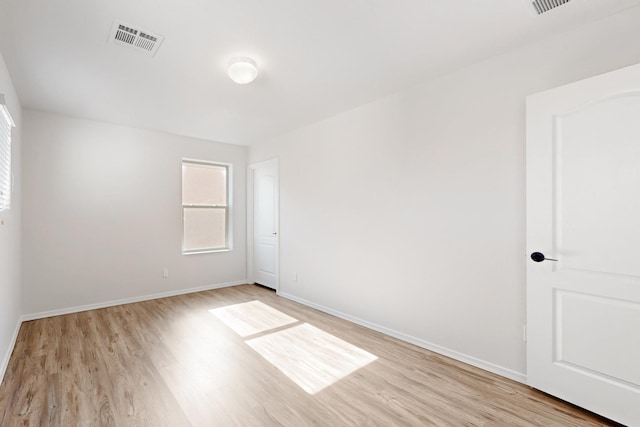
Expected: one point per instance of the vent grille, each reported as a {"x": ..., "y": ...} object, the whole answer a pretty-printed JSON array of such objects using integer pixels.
[
  {"x": 542, "y": 6},
  {"x": 135, "y": 38}
]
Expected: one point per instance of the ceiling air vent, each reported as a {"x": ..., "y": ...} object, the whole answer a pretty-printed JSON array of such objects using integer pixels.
[
  {"x": 541, "y": 6},
  {"x": 135, "y": 38}
]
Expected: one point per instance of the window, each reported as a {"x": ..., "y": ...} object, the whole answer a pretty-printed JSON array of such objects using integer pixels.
[
  {"x": 205, "y": 206},
  {"x": 6, "y": 123}
]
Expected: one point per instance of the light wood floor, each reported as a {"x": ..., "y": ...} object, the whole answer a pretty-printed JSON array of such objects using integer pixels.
[{"x": 172, "y": 362}]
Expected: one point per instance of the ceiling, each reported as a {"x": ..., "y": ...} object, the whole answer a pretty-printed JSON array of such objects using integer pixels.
[{"x": 316, "y": 58}]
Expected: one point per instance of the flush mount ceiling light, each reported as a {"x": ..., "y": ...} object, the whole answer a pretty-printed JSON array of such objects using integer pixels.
[{"x": 242, "y": 70}]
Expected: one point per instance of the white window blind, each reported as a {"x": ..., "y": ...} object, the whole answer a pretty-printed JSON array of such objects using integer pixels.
[
  {"x": 205, "y": 206},
  {"x": 6, "y": 123}
]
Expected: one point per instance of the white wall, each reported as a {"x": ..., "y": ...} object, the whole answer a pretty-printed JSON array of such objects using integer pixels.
[
  {"x": 409, "y": 212},
  {"x": 10, "y": 233},
  {"x": 102, "y": 213}
]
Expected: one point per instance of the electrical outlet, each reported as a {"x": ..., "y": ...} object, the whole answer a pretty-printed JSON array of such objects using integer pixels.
[
  {"x": 165, "y": 273},
  {"x": 295, "y": 277}
]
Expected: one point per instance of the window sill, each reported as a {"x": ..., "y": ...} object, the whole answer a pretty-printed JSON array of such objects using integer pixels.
[{"x": 206, "y": 251}]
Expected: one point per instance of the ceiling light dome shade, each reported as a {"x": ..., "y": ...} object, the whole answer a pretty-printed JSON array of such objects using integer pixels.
[{"x": 242, "y": 70}]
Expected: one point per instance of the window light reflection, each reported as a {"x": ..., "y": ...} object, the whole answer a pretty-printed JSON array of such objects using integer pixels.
[
  {"x": 310, "y": 357},
  {"x": 253, "y": 317}
]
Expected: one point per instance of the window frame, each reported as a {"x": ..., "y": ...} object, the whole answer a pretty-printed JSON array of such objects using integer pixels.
[
  {"x": 228, "y": 208},
  {"x": 6, "y": 179}
]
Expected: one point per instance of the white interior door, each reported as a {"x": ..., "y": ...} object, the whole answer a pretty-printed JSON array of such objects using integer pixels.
[
  {"x": 583, "y": 209},
  {"x": 265, "y": 226}
]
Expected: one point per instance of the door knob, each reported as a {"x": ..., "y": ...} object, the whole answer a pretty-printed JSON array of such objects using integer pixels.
[
  {"x": 539, "y": 257},
  {"x": 274, "y": 233}
]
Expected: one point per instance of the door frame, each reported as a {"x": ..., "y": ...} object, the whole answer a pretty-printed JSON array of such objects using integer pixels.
[{"x": 274, "y": 164}]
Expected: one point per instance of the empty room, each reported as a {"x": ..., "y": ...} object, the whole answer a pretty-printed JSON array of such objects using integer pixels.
[{"x": 319, "y": 213}]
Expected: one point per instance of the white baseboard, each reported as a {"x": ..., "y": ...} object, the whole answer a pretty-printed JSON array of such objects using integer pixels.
[
  {"x": 44, "y": 314},
  {"x": 12, "y": 344},
  {"x": 474, "y": 361}
]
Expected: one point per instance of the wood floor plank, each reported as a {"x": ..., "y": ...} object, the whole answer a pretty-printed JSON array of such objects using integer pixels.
[{"x": 174, "y": 362}]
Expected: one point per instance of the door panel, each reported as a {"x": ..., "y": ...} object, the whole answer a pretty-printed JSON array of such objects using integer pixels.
[
  {"x": 266, "y": 258},
  {"x": 597, "y": 154},
  {"x": 583, "y": 209},
  {"x": 265, "y": 188},
  {"x": 586, "y": 340}
]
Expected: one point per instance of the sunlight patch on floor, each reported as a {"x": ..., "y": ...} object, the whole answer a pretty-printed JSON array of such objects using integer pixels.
[
  {"x": 310, "y": 357},
  {"x": 253, "y": 317}
]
